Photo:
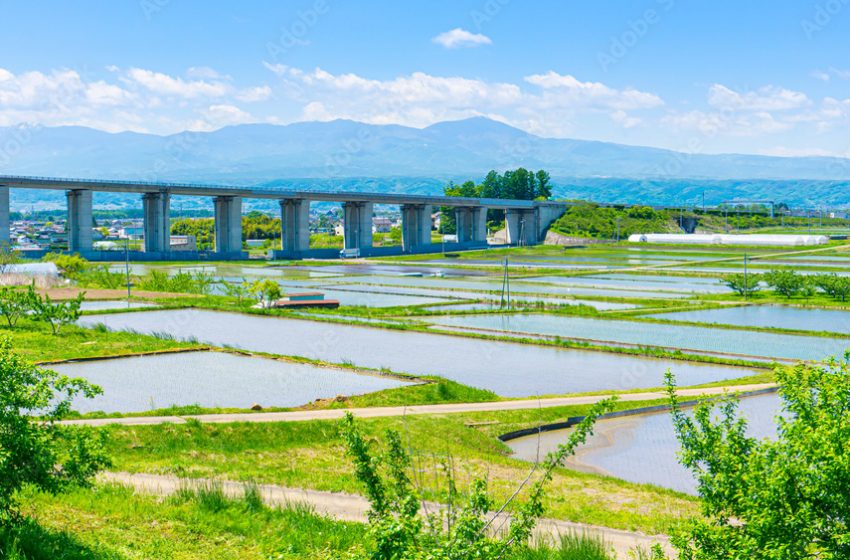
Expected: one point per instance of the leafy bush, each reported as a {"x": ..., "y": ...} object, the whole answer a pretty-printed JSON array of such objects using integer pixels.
[
  {"x": 783, "y": 498},
  {"x": 56, "y": 314},
  {"x": 100, "y": 276},
  {"x": 199, "y": 282},
  {"x": 15, "y": 303},
  {"x": 68, "y": 265},
  {"x": 38, "y": 451},
  {"x": 743, "y": 284},
  {"x": 266, "y": 291},
  {"x": 460, "y": 530}
]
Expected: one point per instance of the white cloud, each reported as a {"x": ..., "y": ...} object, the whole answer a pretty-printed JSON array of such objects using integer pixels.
[
  {"x": 768, "y": 98},
  {"x": 457, "y": 38},
  {"x": 101, "y": 93},
  {"x": 573, "y": 90},
  {"x": 217, "y": 116},
  {"x": 164, "y": 84},
  {"x": 254, "y": 94},
  {"x": 421, "y": 99}
]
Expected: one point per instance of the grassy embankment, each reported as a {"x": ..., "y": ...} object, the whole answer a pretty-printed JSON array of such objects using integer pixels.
[
  {"x": 311, "y": 455},
  {"x": 113, "y": 523}
]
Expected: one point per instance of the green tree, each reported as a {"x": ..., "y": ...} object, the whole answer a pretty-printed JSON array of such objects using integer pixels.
[
  {"x": 15, "y": 303},
  {"x": 56, "y": 313},
  {"x": 833, "y": 285},
  {"x": 785, "y": 282},
  {"x": 782, "y": 498},
  {"x": 459, "y": 531},
  {"x": 34, "y": 449},
  {"x": 68, "y": 265},
  {"x": 266, "y": 291},
  {"x": 743, "y": 284}
]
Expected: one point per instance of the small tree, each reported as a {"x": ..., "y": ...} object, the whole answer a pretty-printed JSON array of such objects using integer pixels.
[
  {"x": 458, "y": 531},
  {"x": 743, "y": 284},
  {"x": 240, "y": 291},
  {"x": 38, "y": 451},
  {"x": 785, "y": 282},
  {"x": 68, "y": 265},
  {"x": 15, "y": 303},
  {"x": 57, "y": 314},
  {"x": 266, "y": 291},
  {"x": 786, "y": 498}
]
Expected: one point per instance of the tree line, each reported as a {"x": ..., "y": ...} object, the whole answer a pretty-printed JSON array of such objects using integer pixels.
[{"x": 515, "y": 184}]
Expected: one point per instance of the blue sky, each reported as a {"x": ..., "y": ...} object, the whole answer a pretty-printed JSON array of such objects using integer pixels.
[{"x": 759, "y": 76}]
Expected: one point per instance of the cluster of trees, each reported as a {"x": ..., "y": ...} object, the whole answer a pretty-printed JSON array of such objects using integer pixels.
[
  {"x": 16, "y": 303},
  {"x": 255, "y": 225},
  {"x": 789, "y": 283},
  {"x": 586, "y": 219},
  {"x": 518, "y": 184}
]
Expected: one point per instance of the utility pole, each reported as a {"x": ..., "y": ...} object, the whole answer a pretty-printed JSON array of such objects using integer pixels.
[
  {"x": 127, "y": 265},
  {"x": 746, "y": 285},
  {"x": 618, "y": 229}
]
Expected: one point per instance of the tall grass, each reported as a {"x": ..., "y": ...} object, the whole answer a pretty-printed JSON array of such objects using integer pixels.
[{"x": 569, "y": 547}]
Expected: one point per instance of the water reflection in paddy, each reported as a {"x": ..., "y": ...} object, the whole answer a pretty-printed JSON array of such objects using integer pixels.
[
  {"x": 212, "y": 379},
  {"x": 705, "y": 339},
  {"x": 642, "y": 448},
  {"x": 778, "y": 316},
  {"x": 509, "y": 369}
]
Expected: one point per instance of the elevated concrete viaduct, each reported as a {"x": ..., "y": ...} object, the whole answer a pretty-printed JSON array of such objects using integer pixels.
[{"x": 526, "y": 220}]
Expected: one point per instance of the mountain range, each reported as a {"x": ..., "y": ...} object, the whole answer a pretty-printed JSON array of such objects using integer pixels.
[{"x": 348, "y": 155}]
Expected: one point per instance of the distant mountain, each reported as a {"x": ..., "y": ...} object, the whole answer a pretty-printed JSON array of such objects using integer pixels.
[{"x": 338, "y": 154}]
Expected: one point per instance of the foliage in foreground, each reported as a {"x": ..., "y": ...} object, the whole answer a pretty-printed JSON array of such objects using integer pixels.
[
  {"x": 16, "y": 303},
  {"x": 772, "y": 499},
  {"x": 40, "y": 452},
  {"x": 459, "y": 530}
]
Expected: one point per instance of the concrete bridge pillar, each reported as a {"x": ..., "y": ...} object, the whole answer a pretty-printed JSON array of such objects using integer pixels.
[
  {"x": 415, "y": 226},
  {"x": 5, "y": 237},
  {"x": 521, "y": 227},
  {"x": 471, "y": 225},
  {"x": 463, "y": 223},
  {"x": 357, "y": 225},
  {"x": 157, "y": 215},
  {"x": 79, "y": 220},
  {"x": 295, "y": 228},
  {"x": 479, "y": 225},
  {"x": 228, "y": 224}
]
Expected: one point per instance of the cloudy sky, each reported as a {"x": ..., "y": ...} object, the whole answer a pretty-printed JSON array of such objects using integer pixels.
[{"x": 761, "y": 76}]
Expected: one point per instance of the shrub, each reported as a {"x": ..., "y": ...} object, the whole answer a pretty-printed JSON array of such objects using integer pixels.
[
  {"x": 38, "y": 451},
  {"x": 15, "y": 303},
  {"x": 266, "y": 291},
  {"x": 68, "y": 265},
  {"x": 56, "y": 314},
  {"x": 461, "y": 530},
  {"x": 782, "y": 498}
]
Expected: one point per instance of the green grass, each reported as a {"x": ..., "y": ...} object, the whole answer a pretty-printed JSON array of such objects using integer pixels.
[
  {"x": 311, "y": 455},
  {"x": 35, "y": 342},
  {"x": 113, "y": 523}
]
